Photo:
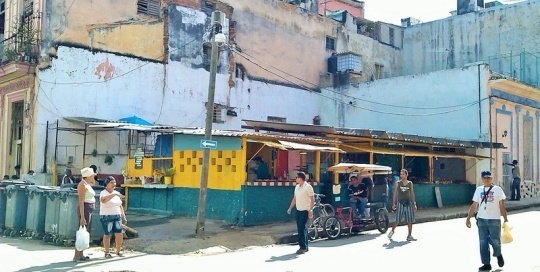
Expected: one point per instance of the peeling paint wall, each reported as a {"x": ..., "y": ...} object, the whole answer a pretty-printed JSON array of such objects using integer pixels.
[
  {"x": 108, "y": 25},
  {"x": 479, "y": 36},
  {"x": 290, "y": 42},
  {"x": 434, "y": 104}
]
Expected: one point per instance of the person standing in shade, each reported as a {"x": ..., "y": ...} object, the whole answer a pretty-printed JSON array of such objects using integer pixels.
[
  {"x": 86, "y": 206},
  {"x": 304, "y": 200},
  {"x": 515, "y": 188},
  {"x": 488, "y": 200},
  {"x": 68, "y": 177},
  {"x": 404, "y": 204},
  {"x": 112, "y": 216}
]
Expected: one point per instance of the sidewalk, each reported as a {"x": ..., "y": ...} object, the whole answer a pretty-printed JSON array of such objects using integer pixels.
[{"x": 176, "y": 235}]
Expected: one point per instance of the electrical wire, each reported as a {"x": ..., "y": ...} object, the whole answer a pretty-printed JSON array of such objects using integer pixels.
[{"x": 355, "y": 106}]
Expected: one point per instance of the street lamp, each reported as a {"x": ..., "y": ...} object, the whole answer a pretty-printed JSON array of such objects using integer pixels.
[{"x": 217, "y": 39}]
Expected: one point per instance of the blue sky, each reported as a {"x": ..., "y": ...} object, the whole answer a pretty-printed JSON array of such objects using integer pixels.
[{"x": 392, "y": 11}]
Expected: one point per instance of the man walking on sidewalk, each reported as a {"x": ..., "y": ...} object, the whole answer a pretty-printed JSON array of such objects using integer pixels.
[
  {"x": 515, "y": 188},
  {"x": 488, "y": 202},
  {"x": 304, "y": 200},
  {"x": 404, "y": 203}
]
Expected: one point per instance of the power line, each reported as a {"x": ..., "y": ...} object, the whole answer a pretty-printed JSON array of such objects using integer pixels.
[{"x": 355, "y": 106}]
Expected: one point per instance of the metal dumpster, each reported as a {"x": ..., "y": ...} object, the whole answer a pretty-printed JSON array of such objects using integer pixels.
[
  {"x": 96, "y": 234},
  {"x": 16, "y": 207},
  {"x": 52, "y": 214},
  {"x": 2, "y": 209},
  {"x": 36, "y": 211},
  {"x": 68, "y": 223}
]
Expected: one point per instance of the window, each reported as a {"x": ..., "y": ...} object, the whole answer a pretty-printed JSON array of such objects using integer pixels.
[
  {"x": 217, "y": 116},
  {"x": 207, "y": 56},
  {"x": 148, "y": 7},
  {"x": 379, "y": 70},
  {"x": 391, "y": 36},
  {"x": 28, "y": 8},
  {"x": 276, "y": 119},
  {"x": 330, "y": 43}
]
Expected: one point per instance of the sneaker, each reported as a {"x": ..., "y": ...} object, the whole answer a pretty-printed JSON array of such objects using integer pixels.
[
  {"x": 500, "y": 260},
  {"x": 390, "y": 234},
  {"x": 485, "y": 267},
  {"x": 301, "y": 251},
  {"x": 410, "y": 238}
]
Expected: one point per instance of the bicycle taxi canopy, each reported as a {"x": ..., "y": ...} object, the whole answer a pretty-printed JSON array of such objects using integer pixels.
[{"x": 360, "y": 168}]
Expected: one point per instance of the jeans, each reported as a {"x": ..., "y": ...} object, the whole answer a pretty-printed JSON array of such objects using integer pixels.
[
  {"x": 360, "y": 205},
  {"x": 489, "y": 232},
  {"x": 515, "y": 189},
  {"x": 301, "y": 225}
]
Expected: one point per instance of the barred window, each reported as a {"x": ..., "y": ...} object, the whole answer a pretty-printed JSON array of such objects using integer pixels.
[{"x": 149, "y": 7}]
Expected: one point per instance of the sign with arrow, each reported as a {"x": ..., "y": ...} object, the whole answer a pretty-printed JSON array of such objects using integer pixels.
[{"x": 209, "y": 144}]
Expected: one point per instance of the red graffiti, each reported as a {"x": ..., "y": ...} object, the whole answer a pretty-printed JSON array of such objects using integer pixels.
[{"x": 105, "y": 70}]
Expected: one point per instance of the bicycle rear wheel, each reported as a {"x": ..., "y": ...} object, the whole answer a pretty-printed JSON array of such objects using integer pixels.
[{"x": 332, "y": 227}]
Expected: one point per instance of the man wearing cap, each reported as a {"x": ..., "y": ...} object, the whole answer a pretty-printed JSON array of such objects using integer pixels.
[
  {"x": 488, "y": 202},
  {"x": 304, "y": 201}
]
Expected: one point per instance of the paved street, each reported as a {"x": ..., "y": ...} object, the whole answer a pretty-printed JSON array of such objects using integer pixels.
[{"x": 441, "y": 246}]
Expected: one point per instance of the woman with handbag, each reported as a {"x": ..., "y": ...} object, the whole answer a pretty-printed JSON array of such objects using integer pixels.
[
  {"x": 112, "y": 216},
  {"x": 404, "y": 203},
  {"x": 86, "y": 206}
]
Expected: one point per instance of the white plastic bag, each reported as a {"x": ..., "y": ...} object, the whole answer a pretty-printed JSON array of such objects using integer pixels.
[
  {"x": 506, "y": 237},
  {"x": 82, "y": 239}
]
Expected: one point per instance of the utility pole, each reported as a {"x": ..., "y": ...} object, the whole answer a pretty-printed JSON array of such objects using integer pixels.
[{"x": 216, "y": 28}]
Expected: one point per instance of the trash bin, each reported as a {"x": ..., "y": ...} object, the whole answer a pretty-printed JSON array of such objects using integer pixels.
[
  {"x": 16, "y": 207},
  {"x": 68, "y": 223},
  {"x": 96, "y": 234},
  {"x": 2, "y": 209},
  {"x": 52, "y": 214},
  {"x": 35, "y": 214}
]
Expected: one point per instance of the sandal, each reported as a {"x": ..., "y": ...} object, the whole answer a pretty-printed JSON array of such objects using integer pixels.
[
  {"x": 119, "y": 254},
  {"x": 81, "y": 259},
  {"x": 108, "y": 255}
]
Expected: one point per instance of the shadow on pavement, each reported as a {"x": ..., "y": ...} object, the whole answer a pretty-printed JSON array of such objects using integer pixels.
[
  {"x": 286, "y": 257},
  {"x": 343, "y": 239},
  {"x": 393, "y": 244},
  {"x": 71, "y": 265}
]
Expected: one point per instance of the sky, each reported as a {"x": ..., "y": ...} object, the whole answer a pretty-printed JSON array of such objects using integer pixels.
[{"x": 392, "y": 11}]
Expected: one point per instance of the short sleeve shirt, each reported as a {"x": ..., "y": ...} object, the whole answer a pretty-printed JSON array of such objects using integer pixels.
[
  {"x": 489, "y": 208},
  {"x": 303, "y": 194},
  {"x": 360, "y": 190},
  {"x": 111, "y": 207}
]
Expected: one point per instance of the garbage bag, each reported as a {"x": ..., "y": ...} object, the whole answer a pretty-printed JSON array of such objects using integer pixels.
[
  {"x": 82, "y": 239},
  {"x": 506, "y": 236}
]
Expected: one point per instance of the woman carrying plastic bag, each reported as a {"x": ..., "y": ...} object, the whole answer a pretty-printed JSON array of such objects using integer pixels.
[
  {"x": 85, "y": 208},
  {"x": 82, "y": 239}
]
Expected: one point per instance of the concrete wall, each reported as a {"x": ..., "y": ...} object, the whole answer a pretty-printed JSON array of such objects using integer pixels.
[
  {"x": 435, "y": 104},
  {"x": 483, "y": 35},
  {"x": 110, "y": 25}
]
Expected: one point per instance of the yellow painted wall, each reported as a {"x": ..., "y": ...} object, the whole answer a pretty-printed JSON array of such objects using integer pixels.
[
  {"x": 226, "y": 171},
  {"x": 114, "y": 26},
  {"x": 145, "y": 171}
]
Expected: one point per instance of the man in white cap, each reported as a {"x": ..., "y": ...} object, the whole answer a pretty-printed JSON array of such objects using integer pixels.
[{"x": 488, "y": 202}]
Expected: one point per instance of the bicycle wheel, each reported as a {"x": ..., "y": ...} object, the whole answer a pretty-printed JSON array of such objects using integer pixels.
[
  {"x": 313, "y": 229},
  {"x": 332, "y": 227},
  {"x": 381, "y": 221}
]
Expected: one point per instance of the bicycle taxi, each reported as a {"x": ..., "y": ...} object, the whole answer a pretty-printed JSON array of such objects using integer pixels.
[{"x": 343, "y": 218}]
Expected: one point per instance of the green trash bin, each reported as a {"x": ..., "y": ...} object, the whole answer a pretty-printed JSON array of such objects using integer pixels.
[
  {"x": 16, "y": 207},
  {"x": 36, "y": 211},
  {"x": 52, "y": 214},
  {"x": 68, "y": 223},
  {"x": 2, "y": 209},
  {"x": 96, "y": 234}
]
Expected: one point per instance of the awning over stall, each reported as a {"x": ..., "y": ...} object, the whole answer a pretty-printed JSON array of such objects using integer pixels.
[
  {"x": 409, "y": 152},
  {"x": 286, "y": 145}
]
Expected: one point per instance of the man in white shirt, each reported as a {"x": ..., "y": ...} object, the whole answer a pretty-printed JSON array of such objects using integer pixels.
[
  {"x": 304, "y": 201},
  {"x": 488, "y": 201}
]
